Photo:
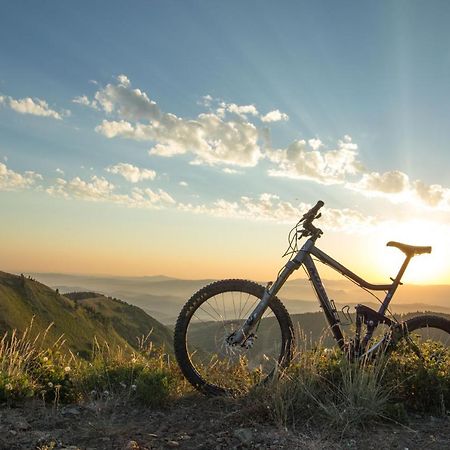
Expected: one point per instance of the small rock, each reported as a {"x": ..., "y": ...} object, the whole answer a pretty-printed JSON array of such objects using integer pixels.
[
  {"x": 22, "y": 425},
  {"x": 245, "y": 435},
  {"x": 132, "y": 445},
  {"x": 71, "y": 411},
  {"x": 173, "y": 444},
  {"x": 184, "y": 437}
]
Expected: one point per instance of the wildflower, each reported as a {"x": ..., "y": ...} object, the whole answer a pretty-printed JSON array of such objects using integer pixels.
[
  {"x": 45, "y": 359},
  {"x": 133, "y": 360},
  {"x": 8, "y": 386},
  {"x": 67, "y": 369},
  {"x": 106, "y": 393},
  {"x": 50, "y": 384},
  {"x": 133, "y": 387}
]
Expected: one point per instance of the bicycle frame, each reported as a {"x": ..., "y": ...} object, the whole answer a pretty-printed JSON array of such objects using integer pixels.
[{"x": 304, "y": 257}]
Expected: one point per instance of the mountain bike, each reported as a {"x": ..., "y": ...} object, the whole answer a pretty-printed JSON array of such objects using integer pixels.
[{"x": 235, "y": 331}]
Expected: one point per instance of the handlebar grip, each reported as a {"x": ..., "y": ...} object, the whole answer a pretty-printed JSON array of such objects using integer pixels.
[
  {"x": 311, "y": 214},
  {"x": 316, "y": 208}
]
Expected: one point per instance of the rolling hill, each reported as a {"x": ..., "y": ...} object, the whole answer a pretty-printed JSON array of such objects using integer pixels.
[
  {"x": 163, "y": 297},
  {"x": 78, "y": 316}
]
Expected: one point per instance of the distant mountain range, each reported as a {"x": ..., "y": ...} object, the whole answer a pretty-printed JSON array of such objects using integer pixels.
[
  {"x": 82, "y": 312},
  {"x": 79, "y": 316},
  {"x": 162, "y": 297}
]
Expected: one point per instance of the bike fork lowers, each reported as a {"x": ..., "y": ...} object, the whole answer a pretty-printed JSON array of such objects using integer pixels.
[{"x": 239, "y": 336}]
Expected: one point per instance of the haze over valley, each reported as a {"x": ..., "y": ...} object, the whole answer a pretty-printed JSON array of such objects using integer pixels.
[{"x": 162, "y": 297}]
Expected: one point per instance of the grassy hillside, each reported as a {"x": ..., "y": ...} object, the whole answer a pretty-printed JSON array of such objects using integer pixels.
[{"x": 79, "y": 319}]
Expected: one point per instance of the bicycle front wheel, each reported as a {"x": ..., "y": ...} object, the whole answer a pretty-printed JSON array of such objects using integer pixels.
[{"x": 212, "y": 314}]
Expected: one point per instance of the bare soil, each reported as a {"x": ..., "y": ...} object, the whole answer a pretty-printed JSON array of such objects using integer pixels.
[{"x": 195, "y": 422}]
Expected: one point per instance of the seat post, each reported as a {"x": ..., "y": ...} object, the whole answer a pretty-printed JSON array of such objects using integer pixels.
[{"x": 396, "y": 282}]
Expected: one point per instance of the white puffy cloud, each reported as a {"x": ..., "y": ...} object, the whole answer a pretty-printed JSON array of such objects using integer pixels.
[
  {"x": 241, "y": 111},
  {"x": 99, "y": 189},
  {"x": 132, "y": 173},
  {"x": 275, "y": 116},
  {"x": 270, "y": 207},
  {"x": 397, "y": 187},
  {"x": 393, "y": 182},
  {"x": 33, "y": 106},
  {"x": 127, "y": 103},
  {"x": 432, "y": 194},
  {"x": 303, "y": 160},
  {"x": 12, "y": 181},
  {"x": 84, "y": 100},
  {"x": 211, "y": 138},
  {"x": 315, "y": 144}
]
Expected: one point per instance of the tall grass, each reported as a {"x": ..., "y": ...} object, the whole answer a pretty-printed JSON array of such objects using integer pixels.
[
  {"x": 30, "y": 368},
  {"x": 323, "y": 386},
  {"x": 320, "y": 385}
]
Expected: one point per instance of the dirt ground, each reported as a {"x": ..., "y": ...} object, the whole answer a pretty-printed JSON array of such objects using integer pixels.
[{"x": 195, "y": 423}]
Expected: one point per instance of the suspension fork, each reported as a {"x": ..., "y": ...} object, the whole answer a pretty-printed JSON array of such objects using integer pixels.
[{"x": 239, "y": 336}]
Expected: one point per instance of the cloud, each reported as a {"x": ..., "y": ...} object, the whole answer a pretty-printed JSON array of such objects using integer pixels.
[
  {"x": 397, "y": 187},
  {"x": 210, "y": 138},
  {"x": 35, "y": 107},
  {"x": 226, "y": 136},
  {"x": 241, "y": 111},
  {"x": 393, "y": 182},
  {"x": 128, "y": 103},
  {"x": 270, "y": 207},
  {"x": 315, "y": 144},
  {"x": 132, "y": 173},
  {"x": 230, "y": 171},
  {"x": 302, "y": 160},
  {"x": 13, "y": 181},
  {"x": 183, "y": 183},
  {"x": 433, "y": 194},
  {"x": 275, "y": 116},
  {"x": 84, "y": 100},
  {"x": 98, "y": 189}
]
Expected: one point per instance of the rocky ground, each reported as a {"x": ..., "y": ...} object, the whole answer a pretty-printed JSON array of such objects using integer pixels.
[{"x": 195, "y": 423}]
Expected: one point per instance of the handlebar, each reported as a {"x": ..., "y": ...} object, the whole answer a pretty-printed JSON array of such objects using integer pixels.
[
  {"x": 308, "y": 228},
  {"x": 311, "y": 214}
]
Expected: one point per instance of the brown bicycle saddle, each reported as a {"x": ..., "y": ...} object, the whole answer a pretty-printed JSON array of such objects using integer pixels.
[{"x": 409, "y": 250}]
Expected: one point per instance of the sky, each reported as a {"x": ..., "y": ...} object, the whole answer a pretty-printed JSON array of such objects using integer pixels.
[{"x": 186, "y": 138}]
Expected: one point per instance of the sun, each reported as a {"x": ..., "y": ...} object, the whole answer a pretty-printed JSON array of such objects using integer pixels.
[{"x": 423, "y": 269}]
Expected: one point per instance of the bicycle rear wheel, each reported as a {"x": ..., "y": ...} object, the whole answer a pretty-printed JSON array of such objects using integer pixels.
[
  {"x": 209, "y": 363},
  {"x": 429, "y": 328}
]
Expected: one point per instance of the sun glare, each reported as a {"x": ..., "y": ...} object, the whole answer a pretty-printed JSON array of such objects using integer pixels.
[{"x": 427, "y": 268}]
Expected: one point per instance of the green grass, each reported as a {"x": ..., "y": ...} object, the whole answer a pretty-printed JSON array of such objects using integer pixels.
[
  {"x": 56, "y": 375},
  {"x": 321, "y": 385},
  {"x": 108, "y": 319}
]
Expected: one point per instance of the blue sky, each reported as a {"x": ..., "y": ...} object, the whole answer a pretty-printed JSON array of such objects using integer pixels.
[{"x": 368, "y": 81}]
